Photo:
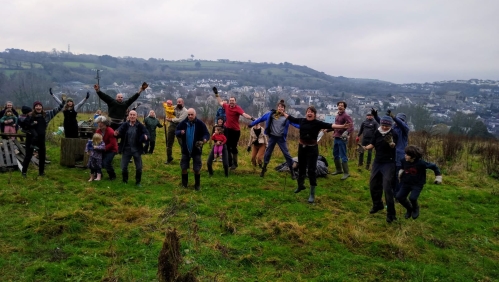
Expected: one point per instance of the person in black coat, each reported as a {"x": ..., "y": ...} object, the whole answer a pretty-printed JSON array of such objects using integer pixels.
[
  {"x": 133, "y": 134},
  {"x": 194, "y": 135},
  {"x": 383, "y": 170},
  {"x": 367, "y": 129}
]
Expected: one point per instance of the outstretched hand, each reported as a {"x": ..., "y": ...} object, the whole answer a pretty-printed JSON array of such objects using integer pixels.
[
  {"x": 88, "y": 95},
  {"x": 50, "y": 90},
  {"x": 374, "y": 112},
  {"x": 96, "y": 87},
  {"x": 144, "y": 86},
  {"x": 215, "y": 90}
]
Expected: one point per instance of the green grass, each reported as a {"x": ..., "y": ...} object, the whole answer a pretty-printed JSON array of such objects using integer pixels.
[{"x": 242, "y": 228}]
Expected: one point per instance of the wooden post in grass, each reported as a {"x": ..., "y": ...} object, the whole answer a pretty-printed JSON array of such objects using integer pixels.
[{"x": 73, "y": 150}]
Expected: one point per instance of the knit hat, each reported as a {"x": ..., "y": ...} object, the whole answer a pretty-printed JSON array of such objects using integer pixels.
[
  {"x": 37, "y": 103},
  {"x": 25, "y": 109},
  {"x": 69, "y": 99},
  {"x": 401, "y": 116},
  {"x": 386, "y": 120},
  {"x": 369, "y": 113}
]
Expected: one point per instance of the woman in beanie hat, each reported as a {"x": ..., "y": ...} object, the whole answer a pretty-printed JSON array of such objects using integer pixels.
[
  {"x": 38, "y": 120},
  {"x": 70, "y": 113},
  {"x": 383, "y": 169},
  {"x": 308, "y": 151}
]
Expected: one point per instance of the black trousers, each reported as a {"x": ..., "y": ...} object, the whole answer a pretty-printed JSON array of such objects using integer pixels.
[
  {"x": 307, "y": 160},
  {"x": 232, "y": 141},
  {"x": 42, "y": 152}
]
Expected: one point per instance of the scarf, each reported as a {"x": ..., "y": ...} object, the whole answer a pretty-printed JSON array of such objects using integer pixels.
[
  {"x": 383, "y": 132},
  {"x": 189, "y": 135}
]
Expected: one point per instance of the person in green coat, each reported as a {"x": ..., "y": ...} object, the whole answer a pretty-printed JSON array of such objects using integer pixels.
[{"x": 151, "y": 123}]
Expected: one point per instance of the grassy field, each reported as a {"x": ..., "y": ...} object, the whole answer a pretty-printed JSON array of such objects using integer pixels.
[{"x": 243, "y": 228}]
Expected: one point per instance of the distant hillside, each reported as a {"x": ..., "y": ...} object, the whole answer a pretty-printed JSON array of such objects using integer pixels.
[{"x": 62, "y": 67}]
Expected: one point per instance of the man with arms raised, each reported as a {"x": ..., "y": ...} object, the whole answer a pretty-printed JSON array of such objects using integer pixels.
[
  {"x": 180, "y": 114},
  {"x": 117, "y": 107},
  {"x": 233, "y": 132}
]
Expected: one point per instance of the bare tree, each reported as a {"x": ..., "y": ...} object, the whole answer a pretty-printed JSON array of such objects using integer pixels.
[{"x": 27, "y": 87}]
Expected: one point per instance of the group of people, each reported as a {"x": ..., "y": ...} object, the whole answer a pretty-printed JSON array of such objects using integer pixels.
[{"x": 397, "y": 170}]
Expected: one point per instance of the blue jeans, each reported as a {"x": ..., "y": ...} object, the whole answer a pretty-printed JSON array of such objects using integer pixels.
[
  {"x": 340, "y": 150},
  {"x": 107, "y": 162},
  {"x": 279, "y": 140}
]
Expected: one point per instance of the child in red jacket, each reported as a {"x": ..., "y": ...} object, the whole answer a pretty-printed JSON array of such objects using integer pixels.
[{"x": 220, "y": 140}]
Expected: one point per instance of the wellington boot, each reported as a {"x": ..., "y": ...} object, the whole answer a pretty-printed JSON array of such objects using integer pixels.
[
  {"x": 197, "y": 182},
  {"x": 226, "y": 170},
  {"x": 346, "y": 172},
  {"x": 124, "y": 176},
  {"x": 301, "y": 186},
  {"x": 185, "y": 180},
  {"x": 264, "y": 170},
  {"x": 337, "y": 164},
  {"x": 311, "y": 199},
  {"x": 138, "y": 177},
  {"x": 234, "y": 161},
  {"x": 415, "y": 209}
]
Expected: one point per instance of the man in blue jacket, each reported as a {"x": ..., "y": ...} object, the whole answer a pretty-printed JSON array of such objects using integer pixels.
[
  {"x": 194, "y": 135},
  {"x": 133, "y": 134}
]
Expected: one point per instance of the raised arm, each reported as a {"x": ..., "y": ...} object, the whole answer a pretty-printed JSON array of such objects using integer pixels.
[
  {"x": 55, "y": 97},
  {"x": 219, "y": 100},
  {"x": 78, "y": 106},
  {"x": 103, "y": 96}
]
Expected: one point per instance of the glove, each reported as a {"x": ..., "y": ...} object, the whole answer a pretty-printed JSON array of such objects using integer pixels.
[
  {"x": 64, "y": 98},
  {"x": 199, "y": 145},
  {"x": 144, "y": 85},
  {"x": 360, "y": 149},
  {"x": 50, "y": 90},
  {"x": 344, "y": 136},
  {"x": 249, "y": 149},
  {"x": 357, "y": 139},
  {"x": 438, "y": 179},
  {"x": 250, "y": 126},
  {"x": 252, "y": 119},
  {"x": 88, "y": 95},
  {"x": 401, "y": 172},
  {"x": 389, "y": 138},
  {"x": 138, "y": 105},
  {"x": 215, "y": 90},
  {"x": 389, "y": 113},
  {"x": 374, "y": 112}
]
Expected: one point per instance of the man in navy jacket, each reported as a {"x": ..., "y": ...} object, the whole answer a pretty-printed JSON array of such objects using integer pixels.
[{"x": 194, "y": 135}]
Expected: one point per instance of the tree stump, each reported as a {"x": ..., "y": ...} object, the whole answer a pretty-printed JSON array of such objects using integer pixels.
[{"x": 73, "y": 151}]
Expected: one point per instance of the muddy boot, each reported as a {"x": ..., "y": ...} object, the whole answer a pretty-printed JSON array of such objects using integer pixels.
[
  {"x": 112, "y": 175},
  {"x": 415, "y": 209},
  {"x": 210, "y": 170},
  {"x": 226, "y": 170},
  {"x": 346, "y": 173},
  {"x": 264, "y": 170},
  {"x": 337, "y": 164},
  {"x": 301, "y": 185},
  {"x": 234, "y": 161},
  {"x": 138, "y": 177},
  {"x": 197, "y": 182},
  {"x": 185, "y": 180},
  {"x": 124, "y": 175},
  {"x": 405, "y": 203},
  {"x": 312, "y": 194},
  {"x": 99, "y": 175}
]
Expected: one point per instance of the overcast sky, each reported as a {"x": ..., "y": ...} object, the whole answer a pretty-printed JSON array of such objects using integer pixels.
[{"x": 393, "y": 40}]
